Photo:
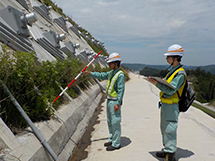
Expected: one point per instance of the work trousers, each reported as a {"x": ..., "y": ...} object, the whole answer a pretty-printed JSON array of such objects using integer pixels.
[
  {"x": 114, "y": 126},
  {"x": 169, "y": 124}
]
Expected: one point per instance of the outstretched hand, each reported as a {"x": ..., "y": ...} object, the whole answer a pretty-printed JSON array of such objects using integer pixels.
[{"x": 86, "y": 72}]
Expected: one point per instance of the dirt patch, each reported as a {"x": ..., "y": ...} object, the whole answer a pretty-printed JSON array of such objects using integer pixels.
[{"x": 80, "y": 153}]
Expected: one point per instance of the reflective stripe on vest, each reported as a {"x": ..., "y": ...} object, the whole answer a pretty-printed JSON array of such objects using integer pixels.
[
  {"x": 174, "y": 98},
  {"x": 111, "y": 93}
]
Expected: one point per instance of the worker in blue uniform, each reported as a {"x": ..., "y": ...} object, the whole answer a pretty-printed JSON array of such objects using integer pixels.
[
  {"x": 169, "y": 101},
  {"x": 115, "y": 92}
]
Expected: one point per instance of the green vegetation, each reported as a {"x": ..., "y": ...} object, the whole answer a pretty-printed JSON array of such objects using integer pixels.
[
  {"x": 96, "y": 48},
  {"x": 204, "y": 85},
  {"x": 147, "y": 71},
  {"x": 36, "y": 86},
  {"x": 54, "y": 6},
  {"x": 202, "y": 82},
  {"x": 138, "y": 67}
]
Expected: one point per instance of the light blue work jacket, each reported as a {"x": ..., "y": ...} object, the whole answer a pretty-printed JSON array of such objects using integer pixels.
[{"x": 119, "y": 86}]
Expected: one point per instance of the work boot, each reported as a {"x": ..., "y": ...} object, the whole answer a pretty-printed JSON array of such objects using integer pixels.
[
  {"x": 107, "y": 144},
  {"x": 170, "y": 157},
  {"x": 111, "y": 148},
  {"x": 161, "y": 154}
]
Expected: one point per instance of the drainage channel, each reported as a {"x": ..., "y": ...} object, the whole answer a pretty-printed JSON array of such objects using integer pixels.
[{"x": 80, "y": 153}]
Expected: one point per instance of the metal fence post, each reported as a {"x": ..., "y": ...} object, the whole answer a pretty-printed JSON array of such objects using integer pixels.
[{"x": 30, "y": 123}]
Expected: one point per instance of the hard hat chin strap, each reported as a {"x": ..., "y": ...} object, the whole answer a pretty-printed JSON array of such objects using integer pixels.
[
  {"x": 171, "y": 63},
  {"x": 114, "y": 65},
  {"x": 173, "y": 60}
]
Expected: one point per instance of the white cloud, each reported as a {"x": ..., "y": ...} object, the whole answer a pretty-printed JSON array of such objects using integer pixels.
[
  {"x": 148, "y": 26},
  {"x": 175, "y": 24}
]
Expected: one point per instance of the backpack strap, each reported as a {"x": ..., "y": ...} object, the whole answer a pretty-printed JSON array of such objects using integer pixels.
[
  {"x": 181, "y": 72},
  {"x": 183, "y": 90}
]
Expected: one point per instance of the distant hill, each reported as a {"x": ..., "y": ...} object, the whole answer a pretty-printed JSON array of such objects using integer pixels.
[{"x": 138, "y": 67}]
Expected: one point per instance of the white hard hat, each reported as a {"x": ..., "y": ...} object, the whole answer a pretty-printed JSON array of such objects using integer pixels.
[
  {"x": 175, "y": 50},
  {"x": 114, "y": 57}
]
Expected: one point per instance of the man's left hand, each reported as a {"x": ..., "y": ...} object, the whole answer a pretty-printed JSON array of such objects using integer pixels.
[
  {"x": 152, "y": 80},
  {"x": 116, "y": 108}
]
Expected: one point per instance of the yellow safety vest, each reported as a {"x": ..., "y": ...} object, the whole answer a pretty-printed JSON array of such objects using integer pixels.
[
  {"x": 174, "y": 98},
  {"x": 111, "y": 93}
]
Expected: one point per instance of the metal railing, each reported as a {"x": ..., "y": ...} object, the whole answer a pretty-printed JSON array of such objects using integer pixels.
[{"x": 30, "y": 123}]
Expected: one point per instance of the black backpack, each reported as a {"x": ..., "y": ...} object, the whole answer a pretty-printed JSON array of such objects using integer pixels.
[{"x": 187, "y": 98}]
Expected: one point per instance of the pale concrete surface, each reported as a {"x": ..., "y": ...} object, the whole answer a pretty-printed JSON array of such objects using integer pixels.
[
  {"x": 141, "y": 136},
  {"x": 62, "y": 132}
]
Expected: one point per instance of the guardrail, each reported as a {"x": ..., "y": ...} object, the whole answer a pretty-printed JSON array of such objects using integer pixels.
[{"x": 205, "y": 106}]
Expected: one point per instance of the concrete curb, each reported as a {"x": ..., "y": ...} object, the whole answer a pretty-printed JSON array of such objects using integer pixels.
[
  {"x": 62, "y": 132},
  {"x": 205, "y": 106}
]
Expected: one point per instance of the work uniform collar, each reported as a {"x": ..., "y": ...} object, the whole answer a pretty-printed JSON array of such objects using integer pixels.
[
  {"x": 173, "y": 69},
  {"x": 114, "y": 72}
]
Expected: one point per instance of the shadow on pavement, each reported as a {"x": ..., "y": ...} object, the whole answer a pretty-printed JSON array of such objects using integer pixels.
[
  {"x": 99, "y": 139},
  {"x": 125, "y": 141},
  {"x": 183, "y": 153},
  {"x": 180, "y": 153}
]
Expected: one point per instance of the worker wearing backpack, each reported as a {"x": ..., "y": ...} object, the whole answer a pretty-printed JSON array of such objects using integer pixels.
[{"x": 169, "y": 102}]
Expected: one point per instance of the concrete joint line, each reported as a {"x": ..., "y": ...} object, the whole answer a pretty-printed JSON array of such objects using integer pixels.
[
  {"x": 73, "y": 141},
  {"x": 201, "y": 125}
]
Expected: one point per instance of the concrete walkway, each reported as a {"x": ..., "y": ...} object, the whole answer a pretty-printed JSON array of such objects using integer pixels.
[{"x": 141, "y": 136}]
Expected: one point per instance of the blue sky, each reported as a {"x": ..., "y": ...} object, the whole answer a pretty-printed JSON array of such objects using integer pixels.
[{"x": 142, "y": 30}]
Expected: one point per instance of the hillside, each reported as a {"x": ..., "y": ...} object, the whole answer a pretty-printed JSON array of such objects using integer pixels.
[
  {"x": 41, "y": 51},
  {"x": 138, "y": 67},
  {"x": 42, "y": 27}
]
